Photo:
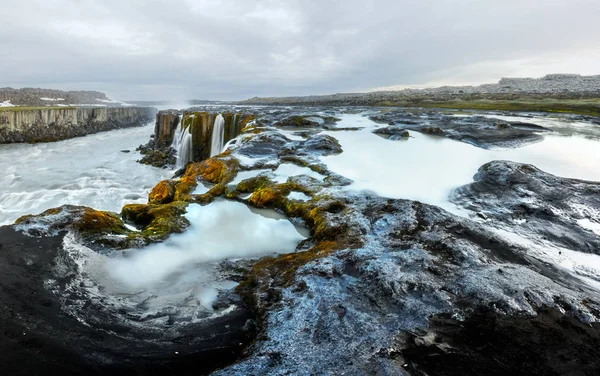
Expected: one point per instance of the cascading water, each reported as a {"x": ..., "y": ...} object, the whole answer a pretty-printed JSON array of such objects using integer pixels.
[
  {"x": 184, "y": 148},
  {"x": 177, "y": 135},
  {"x": 182, "y": 143},
  {"x": 216, "y": 146}
]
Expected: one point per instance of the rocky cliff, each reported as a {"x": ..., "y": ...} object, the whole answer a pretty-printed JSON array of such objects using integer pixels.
[
  {"x": 172, "y": 124},
  {"x": 56, "y": 123}
]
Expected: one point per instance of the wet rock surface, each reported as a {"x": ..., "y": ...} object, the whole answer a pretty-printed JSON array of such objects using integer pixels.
[
  {"x": 484, "y": 132},
  {"x": 535, "y": 204},
  {"x": 50, "y": 325},
  {"x": 492, "y": 344},
  {"x": 393, "y": 132},
  {"x": 381, "y": 286}
]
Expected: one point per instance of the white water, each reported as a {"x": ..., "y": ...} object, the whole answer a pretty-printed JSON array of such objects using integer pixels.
[
  {"x": 217, "y": 144},
  {"x": 182, "y": 271},
  {"x": 184, "y": 149},
  {"x": 90, "y": 171},
  {"x": 177, "y": 135},
  {"x": 182, "y": 144}
]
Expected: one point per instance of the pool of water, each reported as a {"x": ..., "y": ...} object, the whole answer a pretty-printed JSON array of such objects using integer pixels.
[
  {"x": 180, "y": 277},
  {"x": 426, "y": 168}
]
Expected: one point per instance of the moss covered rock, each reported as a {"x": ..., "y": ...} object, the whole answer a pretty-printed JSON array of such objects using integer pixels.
[
  {"x": 155, "y": 221},
  {"x": 162, "y": 193},
  {"x": 92, "y": 226}
]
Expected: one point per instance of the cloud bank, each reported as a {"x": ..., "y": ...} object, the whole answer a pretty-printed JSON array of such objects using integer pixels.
[{"x": 183, "y": 49}]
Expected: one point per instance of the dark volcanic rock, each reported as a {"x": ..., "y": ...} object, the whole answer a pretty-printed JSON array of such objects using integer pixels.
[
  {"x": 480, "y": 131},
  {"x": 357, "y": 310},
  {"x": 49, "y": 325},
  {"x": 393, "y": 131},
  {"x": 306, "y": 121},
  {"x": 317, "y": 145},
  {"x": 535, "y": 204},
  {"x": 486, "y": 343}
]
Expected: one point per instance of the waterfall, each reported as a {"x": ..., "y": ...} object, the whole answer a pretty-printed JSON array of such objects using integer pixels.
[
  {"x": 216, "y": 146},
  {"x": 184, "y": 148},
  {"x": 182, "y": 143},
  {"x": 234, "y": 132},
  {"x": 177, "y": 135}
]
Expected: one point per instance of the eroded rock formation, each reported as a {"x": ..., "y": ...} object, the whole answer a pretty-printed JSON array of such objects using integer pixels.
[
  {"x": 54, "y": 124},
  {"x": 171, "y": 125}
]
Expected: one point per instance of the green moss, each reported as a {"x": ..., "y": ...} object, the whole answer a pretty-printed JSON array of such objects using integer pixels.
[
  {"x": 278, "y": 271},
  {"x": 89, "y": 223},
  {"x": 156, "y": 221},
  {"x": 252, "y": 184}
]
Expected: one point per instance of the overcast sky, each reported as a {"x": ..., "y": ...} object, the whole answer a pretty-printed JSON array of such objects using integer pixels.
[{"x": 204, "y": 49}]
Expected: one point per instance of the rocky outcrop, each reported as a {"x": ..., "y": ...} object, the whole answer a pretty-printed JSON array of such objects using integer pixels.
[
  {"x": 39, "y": 284},
  {"x": 535, "y": 204},
  {"x": 480, "y": 131},
  {"x": 55, "y": 123},
  {"x": 164, "y": 129},
  {"x": 393, "y": 132},
  {"x": 159, "y": 152}
]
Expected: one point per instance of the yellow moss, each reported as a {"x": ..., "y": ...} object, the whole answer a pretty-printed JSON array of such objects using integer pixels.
[
  {"x": 209, "y": 196},
  {"x": 82, "y": 219},
  {"x": 252, "y": 184},
  {"x": 94, "y": 221},
  {"x": 162, "y": 193},
  {"x": 213, "y": 170},
  {"x": 266, "y": 197},
  {"x": 156, "y": 221}
]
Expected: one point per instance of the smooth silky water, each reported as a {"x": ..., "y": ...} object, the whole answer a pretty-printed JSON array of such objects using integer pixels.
[
  {"x": 427, "y": 168},
  {"x": 180, "y": 278}
]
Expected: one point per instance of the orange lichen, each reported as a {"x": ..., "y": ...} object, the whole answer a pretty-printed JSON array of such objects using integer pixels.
[
  {"x": 162, "y": 193},
  {"x": 94, "y": 221}
]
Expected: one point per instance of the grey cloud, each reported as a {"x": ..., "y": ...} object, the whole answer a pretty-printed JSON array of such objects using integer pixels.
[{"x": 236, "y": 49}]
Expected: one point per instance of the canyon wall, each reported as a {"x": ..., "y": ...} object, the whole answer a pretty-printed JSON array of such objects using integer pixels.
[
  {"x": 161, "y": 149},
  {"x": 57, "y": 123}
]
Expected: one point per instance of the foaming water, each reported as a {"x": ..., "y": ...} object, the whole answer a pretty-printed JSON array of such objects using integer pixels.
[
  {"x": 91, "y": 171},
  {"x": 183, "y": 271},
  {"x": 426, "y": 168}
]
